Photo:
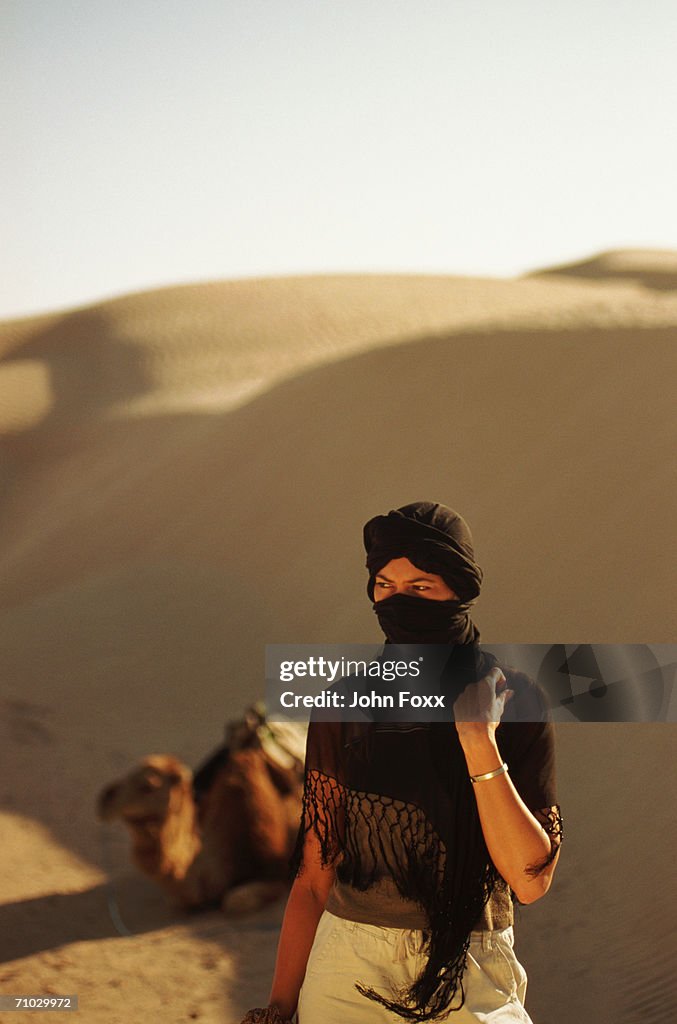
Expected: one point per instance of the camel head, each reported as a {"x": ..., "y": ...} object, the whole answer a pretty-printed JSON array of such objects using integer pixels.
[{"x": 150, "y": 794}]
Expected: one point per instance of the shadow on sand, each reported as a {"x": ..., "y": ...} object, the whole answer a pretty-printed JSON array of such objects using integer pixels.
[{"x": 127, "y": 905}]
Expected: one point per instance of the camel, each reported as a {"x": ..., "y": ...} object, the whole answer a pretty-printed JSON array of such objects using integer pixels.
[{"x": 229, "y": 844}]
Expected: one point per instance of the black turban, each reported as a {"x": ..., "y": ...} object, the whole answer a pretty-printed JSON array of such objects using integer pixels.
[{"x": 433, "y": 537}]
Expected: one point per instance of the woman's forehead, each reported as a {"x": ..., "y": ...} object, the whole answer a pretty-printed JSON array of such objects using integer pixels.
[{"x": 404, "y": 567}]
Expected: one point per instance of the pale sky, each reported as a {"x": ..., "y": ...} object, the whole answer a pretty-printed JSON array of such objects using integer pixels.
[{"x": 155, "y": 142}]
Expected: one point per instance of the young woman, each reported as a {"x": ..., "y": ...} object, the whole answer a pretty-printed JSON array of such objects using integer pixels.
[{"x": 417, "y": 838}]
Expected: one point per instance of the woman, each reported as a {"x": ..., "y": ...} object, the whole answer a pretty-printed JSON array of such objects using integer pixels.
[{"x": 416, "y": 838}]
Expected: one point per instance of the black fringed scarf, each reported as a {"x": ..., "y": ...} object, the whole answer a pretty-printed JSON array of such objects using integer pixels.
[{"x": 396, "y": 798}]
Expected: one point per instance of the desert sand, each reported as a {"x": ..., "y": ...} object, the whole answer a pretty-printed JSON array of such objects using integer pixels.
[{"x": 185, "y": 476}]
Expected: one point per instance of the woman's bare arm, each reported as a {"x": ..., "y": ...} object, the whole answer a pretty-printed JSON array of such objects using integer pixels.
[
  {"x": 515, "y": 838},
  {"x": 305, "y": 905}
]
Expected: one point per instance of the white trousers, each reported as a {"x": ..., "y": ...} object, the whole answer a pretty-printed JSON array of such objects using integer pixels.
[{"x": 347, "y": 951}]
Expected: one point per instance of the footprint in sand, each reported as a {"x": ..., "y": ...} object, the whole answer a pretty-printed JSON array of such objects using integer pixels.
[{"x": 25, "y": 722}]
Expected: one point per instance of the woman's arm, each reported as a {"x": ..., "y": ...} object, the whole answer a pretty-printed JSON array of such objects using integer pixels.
[
  {"x": 306, "y": 902},
  {"x": 515, "y": 838}
]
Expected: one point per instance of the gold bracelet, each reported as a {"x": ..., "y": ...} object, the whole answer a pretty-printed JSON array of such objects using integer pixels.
[{"x": 489, "y": 775}]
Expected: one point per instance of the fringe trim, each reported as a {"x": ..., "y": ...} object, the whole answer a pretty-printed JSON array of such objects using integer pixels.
[{"x": 359, "y": 832}]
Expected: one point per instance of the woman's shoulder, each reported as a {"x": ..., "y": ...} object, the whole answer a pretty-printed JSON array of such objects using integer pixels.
[{"x": 529, "y": 702}]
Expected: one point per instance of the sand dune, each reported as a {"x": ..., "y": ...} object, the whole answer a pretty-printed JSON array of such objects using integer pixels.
[
  {"x": 650, "y": 268},
  {"x": 186, "y": 473}
]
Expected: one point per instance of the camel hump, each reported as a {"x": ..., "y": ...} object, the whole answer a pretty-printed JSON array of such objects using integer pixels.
[{"x": 283, "y": 744}]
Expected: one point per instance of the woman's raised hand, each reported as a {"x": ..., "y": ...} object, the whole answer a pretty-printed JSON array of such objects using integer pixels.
[{"x": 478, "y": 710}]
